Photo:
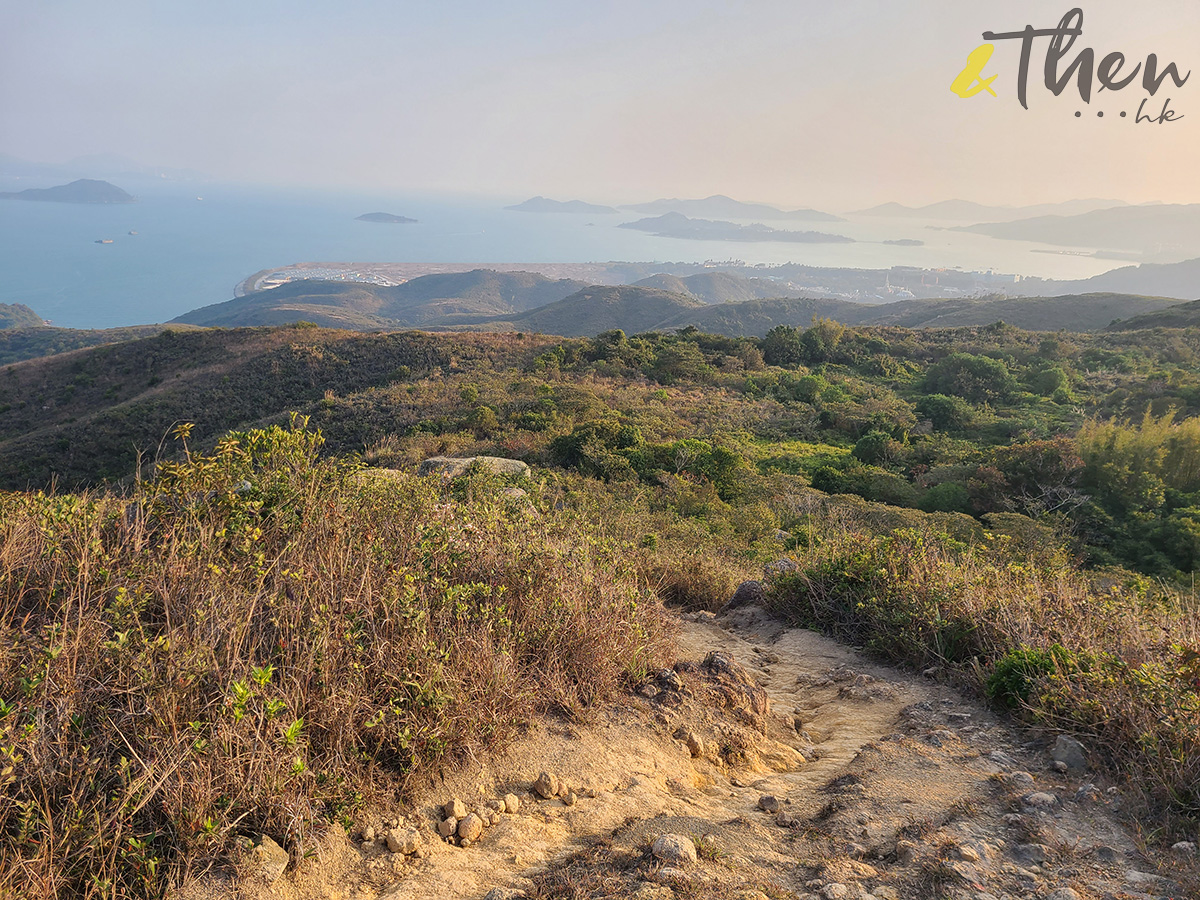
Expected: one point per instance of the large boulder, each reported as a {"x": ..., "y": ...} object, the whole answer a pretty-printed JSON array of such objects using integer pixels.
[
  {"x": 748, "y": 593},
  {"x": 454, "y": 466}
]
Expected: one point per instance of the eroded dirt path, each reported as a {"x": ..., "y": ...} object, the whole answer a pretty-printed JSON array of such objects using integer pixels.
[{"x": 858, "y": 782}]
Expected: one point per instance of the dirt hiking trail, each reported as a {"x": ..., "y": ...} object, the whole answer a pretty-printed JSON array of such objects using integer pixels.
[{"x": 769, "y": 763}]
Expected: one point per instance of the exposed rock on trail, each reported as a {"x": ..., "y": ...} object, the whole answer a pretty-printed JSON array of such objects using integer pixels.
[{"x": 769, "y": 762}]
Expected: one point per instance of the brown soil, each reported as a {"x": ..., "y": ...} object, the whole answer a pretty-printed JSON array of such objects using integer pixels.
[{"x": 889, "y": 785}]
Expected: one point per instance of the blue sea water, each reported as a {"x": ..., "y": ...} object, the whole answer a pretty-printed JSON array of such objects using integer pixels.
[{"x": 190, "y": 252}]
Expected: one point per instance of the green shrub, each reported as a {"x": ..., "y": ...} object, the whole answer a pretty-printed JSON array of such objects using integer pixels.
[{"x": 1019, "y": 672}]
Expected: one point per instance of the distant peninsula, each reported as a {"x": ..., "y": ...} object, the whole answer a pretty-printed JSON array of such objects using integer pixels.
[
  {"x": 385, "y": 217},
  {"x": 906, "y": 242},
  {"x": 85, "y": 190},
  {"x": 727, "y": 207},
  {"x": 545, "y": 205},
  {"x": 677, "y": 225},
  {"x": 18, "y": 315}
]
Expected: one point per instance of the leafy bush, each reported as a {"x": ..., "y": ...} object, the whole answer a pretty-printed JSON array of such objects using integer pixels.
[
  {"x": 1019, "y": 672},
  {"x": 979, "y": 379}
]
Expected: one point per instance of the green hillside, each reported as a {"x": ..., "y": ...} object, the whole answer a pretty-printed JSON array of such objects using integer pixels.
[
  {"x": 21, "y": 343},
  {"x": 1182, "y": 315},
  {"x": 598, "y": 308},
  {"x": 18, "y": 315},
  {"x": 367, "y": 307}
]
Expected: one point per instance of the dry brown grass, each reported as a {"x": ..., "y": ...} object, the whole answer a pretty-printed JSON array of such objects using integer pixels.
[{"x": 259, "y": 640}]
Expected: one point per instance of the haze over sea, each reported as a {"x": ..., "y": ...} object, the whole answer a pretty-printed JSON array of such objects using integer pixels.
[{"x": 189, "y": 252}]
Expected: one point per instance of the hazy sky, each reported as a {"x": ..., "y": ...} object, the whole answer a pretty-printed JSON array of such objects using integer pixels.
[{"x": 825, "y": 103}]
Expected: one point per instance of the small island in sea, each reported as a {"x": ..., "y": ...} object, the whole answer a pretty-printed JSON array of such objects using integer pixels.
[
  {"x": 85, "y": 190},
  {"x": 385, "y": 217},
  {"x": 545, "y": 205},
  {"x": 906, "y": 242},
  {"x": 677, "y": 225}
]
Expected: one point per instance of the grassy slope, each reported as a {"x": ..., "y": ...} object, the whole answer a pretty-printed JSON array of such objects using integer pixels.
[
  {"x": 84, "y": 415},
  {"x": 1183, "y": 315},
  {"x": 19, "y": 344},
  {"x": 596, "y": 309}
]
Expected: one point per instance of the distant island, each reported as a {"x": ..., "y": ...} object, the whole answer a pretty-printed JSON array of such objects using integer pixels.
[
  {"x": 727, "y": 207},
  {"x": 545, "y": 205},
  {"x": 84, "y": 190},
  {"x": 906, "y": 242},
  {"x": 677, "y": 225},
  {"x": 385, "y": 217},
  {"x": 966, "y": 211}
]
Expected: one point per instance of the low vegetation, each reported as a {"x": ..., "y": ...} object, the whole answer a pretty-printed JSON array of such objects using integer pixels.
[
  {"x": 259, "y": 638},
  {"x": 224, "y": 633},
  {"x": 1111, "y": 658}
]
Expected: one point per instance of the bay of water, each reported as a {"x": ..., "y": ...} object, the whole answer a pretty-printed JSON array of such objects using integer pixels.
[{"x": 192, "y": 252}]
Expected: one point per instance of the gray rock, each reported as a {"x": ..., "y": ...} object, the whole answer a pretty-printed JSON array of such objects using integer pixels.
[
  {"x": 1070, "y": 753},
  {"x": 1020, "y": 780},
  {"x": 403, "y": 840},
  {"x": 768, "y": 803},
  {"x": 674, "y": 849},
  {"x": 454, "y": 467},
  {"x": 454, "y": 809},
  {"x": 1039, "y": 800},
  {"x": 1031, "y": 854},
  {"x": 1106, "y": 854},
  {"x": 1062, "y": 894},
  {"x": 1184, "y": 848},
  {"x": 571, "y": 799},
  {"x": 748, "y": 593},
  {"x": 1000, "y": 758},
  {"x": 546, "y": 786},
  {"x": 447, "y": 827},
  {"x": 1145, "y": 879},
  {"x": 267, "y": 860},
  {"x": 835, "y": 891},
  {"x": 368, "y": 833},
  {"x": 511, "y": 803},
  {"x": 470, "y": 828}
]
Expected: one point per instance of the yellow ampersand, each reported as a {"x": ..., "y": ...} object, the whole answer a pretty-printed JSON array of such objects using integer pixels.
[{"x": 970, "y": 81}]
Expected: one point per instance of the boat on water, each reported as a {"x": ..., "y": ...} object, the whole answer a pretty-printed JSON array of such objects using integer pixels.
[
  {"x": 133, "y": 232},
  {"x": 104, "y": 240}
]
